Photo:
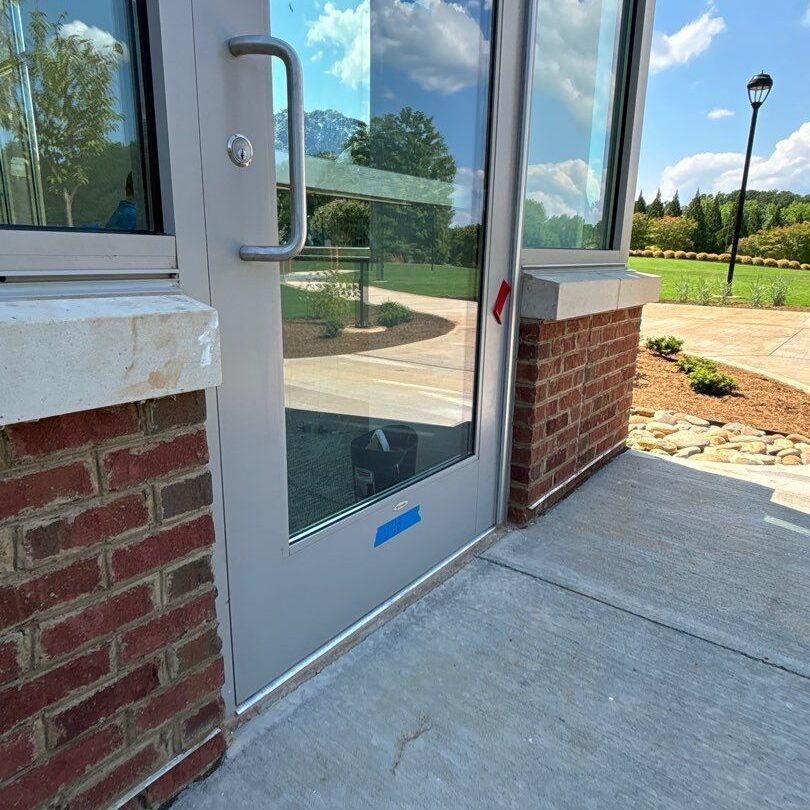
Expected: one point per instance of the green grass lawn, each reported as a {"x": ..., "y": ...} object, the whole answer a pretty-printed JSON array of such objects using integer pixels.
[
  {"x": 294, "y": 303},
  {"x": 672, "y": 270},
  {"x": 443, "y": 281}
]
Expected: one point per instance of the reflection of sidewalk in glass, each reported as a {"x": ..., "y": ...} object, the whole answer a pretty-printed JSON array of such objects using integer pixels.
[{"x": 430, "y": 381}]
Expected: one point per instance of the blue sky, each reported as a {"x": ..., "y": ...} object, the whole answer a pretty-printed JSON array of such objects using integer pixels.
[{"x": 697, "y": 113}]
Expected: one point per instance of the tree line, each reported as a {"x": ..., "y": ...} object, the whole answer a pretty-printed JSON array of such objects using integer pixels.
[{"x": 776, "y": 224}]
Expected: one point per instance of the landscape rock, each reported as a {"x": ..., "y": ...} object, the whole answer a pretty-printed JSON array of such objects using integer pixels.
[
  {"x": 684, "y": 439},
  {"x": 789, "y": 451},
  {"x": 798, "y": 438},
  {"x": 687, "y": 452},
  {"x": 790, "y": 461}
]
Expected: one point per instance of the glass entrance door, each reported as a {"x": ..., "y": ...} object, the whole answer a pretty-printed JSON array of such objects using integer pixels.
[
  {"x": 361, "y": 406},
  {"x": 380, "y": 311}
]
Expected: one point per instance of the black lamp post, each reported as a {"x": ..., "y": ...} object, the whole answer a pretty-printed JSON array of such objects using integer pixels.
[{"x": 758, "y": 89}]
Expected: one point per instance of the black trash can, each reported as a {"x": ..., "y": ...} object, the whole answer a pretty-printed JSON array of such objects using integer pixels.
[{"x": 377, "y": 468}]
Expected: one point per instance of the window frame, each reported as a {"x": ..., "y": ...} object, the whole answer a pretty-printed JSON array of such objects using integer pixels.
[
  {"x": 625, "y": 142},
  {"x": 33, "y": 254}
]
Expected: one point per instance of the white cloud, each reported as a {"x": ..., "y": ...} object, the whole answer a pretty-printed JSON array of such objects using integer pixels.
[
  {"x": 349, "y": 30},
  {"x": 436, "y": 43},
  {"x": 100, "y": 40},
  {"x": 562, "y": 188},
  {"x": 468, "y": 192},
  {"x": 692, "y": 40},
  {"x": 718, "y": 113},
  {"x": 805, "y": 20},
  {"x": 787, "y": 167}
]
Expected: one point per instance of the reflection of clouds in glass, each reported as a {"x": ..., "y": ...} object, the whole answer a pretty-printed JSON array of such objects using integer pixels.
[
  {"x": 436, "y": 44},
  {"x": 348, "y": 30},
  {"x": 561, "y": 188},
  {"x": 468, "y": 195},
  {"x": 567, "y": 52},
  {"x": 99, "y": 40}
]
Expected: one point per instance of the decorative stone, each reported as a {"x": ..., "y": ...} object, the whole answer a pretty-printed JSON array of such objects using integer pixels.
[
  {"x": 710, "y": 455},
  {"x": 687, "y": 452},
  {"x": 696, "y": 420},
  {"x": 643, "y": 441},
  {"x": 661, "y": 427},
  {"x": 758, "y": 459},
  {"x": 789, "y": 451},
  {"x": 717, "y": 441},
  {"x": 777, "y": 445},
  {"x": 657, "y": 452},
  {"x": 664, "y": 416},
  {"x": 790, "y": 461},
  {"x": 742, "y": 430},
  {"x": 752, "y": 447},
  {"x": 798, "y": 438},
  {"x": 684, "y": 439},
  {"x": 643, "y": 411},
  {"x": 637, "y": 419}
]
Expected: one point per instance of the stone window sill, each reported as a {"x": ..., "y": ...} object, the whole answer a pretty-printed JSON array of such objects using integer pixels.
[
  {"x": 61, "y": 355},
  {"x": 556, "y": 295}
]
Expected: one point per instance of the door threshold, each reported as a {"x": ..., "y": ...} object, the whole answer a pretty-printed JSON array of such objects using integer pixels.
[{"x": 343, "y": 642}]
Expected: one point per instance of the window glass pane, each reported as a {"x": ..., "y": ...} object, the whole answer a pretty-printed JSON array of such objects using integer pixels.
[
  {"x": 72, "y": 138},
  {"x": 381, "y": 310},
  {"x": 573, "y": 98}
]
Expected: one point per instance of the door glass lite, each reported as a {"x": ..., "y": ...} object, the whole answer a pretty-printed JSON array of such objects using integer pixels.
[
  {"x": 73, "y": 142},
  {"x": 381, "y": 310}
]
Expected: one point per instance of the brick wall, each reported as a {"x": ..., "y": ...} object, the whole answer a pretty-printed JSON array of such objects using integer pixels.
[
  {"x": 109, "y": 655},
  {"x": 572, "y": 401}
]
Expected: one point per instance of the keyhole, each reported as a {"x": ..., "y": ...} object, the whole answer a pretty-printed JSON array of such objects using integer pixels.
[{"x": 242, "y": 153}]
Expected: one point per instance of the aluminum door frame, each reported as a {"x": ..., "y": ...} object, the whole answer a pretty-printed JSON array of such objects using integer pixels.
[{"x": 242, "y": 352}]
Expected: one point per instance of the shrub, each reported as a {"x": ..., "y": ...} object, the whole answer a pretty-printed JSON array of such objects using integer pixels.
[
  {"x": 647, "y": 253},
  {"x": 683, "y": 289},
  {"x": 690, "y": 254},
  {"x": 713, "y": 383},
  {"x": 786, "y": 242},
  {"x": 343, "y": 222},
  {"x": 659, "y": 254},
  {"x": 724, "y": 257},
  {"x": 758, "y": 261},
  {"x": 332, "y": 296},
  {"x": 640, "y": 235},
  {"x": 669, "y": 254},
  {"x": 805, "y": 266},
  {"x": 794, "y": 265},
  {"x": 680, "y": 254},
  {"x": 691, "y": 362},
  {"x": 711, "y": 257},
  {"x": 724, "y": 291},
  {"x": 390, "y": 313},
  {"x": 670, "y": 233},
  {"x": 756, "y": 293},
  {"x": 664, "y": 346},
  {"x": 332, "y": 327},
  {"x": 778, "y": 292},
  {"x": 703, "y": 292},
  {"x": 782, "y": 264},
  {"x": 701, "y": 257},
  {"x": 770, "y": 263},
  {"x": 745, "y": 260}
]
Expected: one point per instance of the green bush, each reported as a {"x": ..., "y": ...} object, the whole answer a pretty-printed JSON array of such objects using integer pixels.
[
  {"x": 390, "y": 313},
  {"x": 756, "y": 293},
  {"x": 671, "y": 233},
  {"x": 332, "y": 327},
  {"x": 778, "y": 292},
  {"x": 691, "y": 362},
  {"x": 786, "y": 242},
  {"x": 703, "y": 292},
  {"x": 713, "y": 383},
  {"x": 683, "y": 289},
  {"x": 724, "y": 292},
  {"x": 332, "y": 296},
  {"x": 664, "y": 346}
]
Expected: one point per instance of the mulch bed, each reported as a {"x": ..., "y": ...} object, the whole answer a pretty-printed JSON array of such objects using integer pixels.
[
  {"x": 761, "y": 402},
  {"x": 303, "y": 337}
]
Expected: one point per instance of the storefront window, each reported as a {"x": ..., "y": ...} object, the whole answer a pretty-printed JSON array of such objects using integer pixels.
[
  {"x": 578, "y": 72},
  {"x": 73, "y": 137}
]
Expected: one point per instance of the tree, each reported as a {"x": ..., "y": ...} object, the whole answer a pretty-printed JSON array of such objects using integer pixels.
[
  {"x": 73, "y": 101},
  {"x": 798, "y": 211},
  {"x": 656, "y": 207},
  {"x": 672, "y": 233},
  {"x": 343, "y": 222},
  {"x": 673, "y": 208},
  {"x": 786, "y": 242},
  {"x": 714, "y": 224},
  {"x": 641, "y": 204},
  {"x": 640, "y": 237},
  {"x": 694, "y": 211}
]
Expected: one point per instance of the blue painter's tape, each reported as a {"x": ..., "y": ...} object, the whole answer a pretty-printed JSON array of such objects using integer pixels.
[{"x": 396, "y": 526}]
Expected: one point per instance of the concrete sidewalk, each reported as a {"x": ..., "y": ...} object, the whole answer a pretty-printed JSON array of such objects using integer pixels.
[
  {"x": 644, "y": 644},
  {"x": 773, "y": 342}
]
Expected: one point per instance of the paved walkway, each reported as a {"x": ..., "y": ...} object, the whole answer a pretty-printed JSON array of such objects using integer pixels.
[
  {"x": 644, "y": 644},
  {"x": 773, "y": 342}
]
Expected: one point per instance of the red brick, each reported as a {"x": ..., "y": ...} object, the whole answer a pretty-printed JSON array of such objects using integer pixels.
[
  {"x": 202, "y": 720},
  {"x": 65, "y": 767},
  {"x": 104, "y": 703},
  {"x": 178, "y": 411},
  {"x": 187, "y": 495},
  {"x": 21, "y": 601},
  {"x": 67, "y": 633},
  {"x": 552, "y": 329},
  {"x": 179, "y": 696},
  {"x": 190, "y": 654},
  {"x": 556, "y": 423},
  {"x": 167, "y": 628},
  {"x": 19, "y": 702},
  {"x": 71, "y": 431},
  {"x": 193, "y": 766},
  {"x": 11, "y": 657},
  {"x": 136, "y": 465},
  {"x": 118, "y": 779},
  {"x": 94, "y": 525},
  {"x": 187, "y": 578},
  {"x": 17, "y": 751},
  {"x": 555, "y": 459},
  {"x": 45, "y": 487},
  {"x": 162, "y": 548}
]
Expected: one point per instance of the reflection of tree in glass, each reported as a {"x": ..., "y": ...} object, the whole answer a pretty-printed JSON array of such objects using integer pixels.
[
  {"x": 342, "y": 222},
  {"x": 560, "y": 231},
  {"x": 409, "y": 144},
  {"x": 74, "y": 106}
]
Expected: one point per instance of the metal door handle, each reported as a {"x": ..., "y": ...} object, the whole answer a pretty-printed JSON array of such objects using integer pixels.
[{"x": 264, "y": 45}]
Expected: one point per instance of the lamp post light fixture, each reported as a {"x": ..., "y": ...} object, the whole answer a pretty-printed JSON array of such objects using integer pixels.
[{"x": 758, "y": 89}]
